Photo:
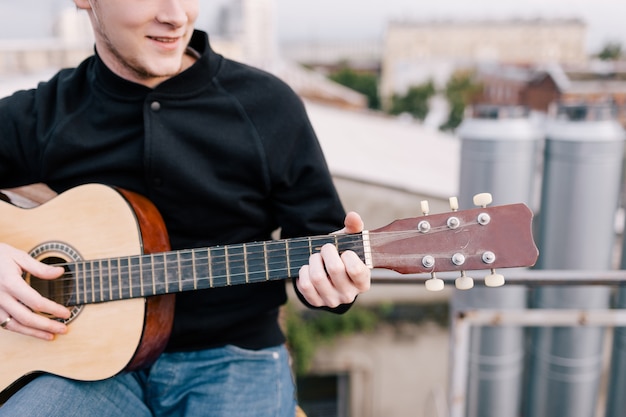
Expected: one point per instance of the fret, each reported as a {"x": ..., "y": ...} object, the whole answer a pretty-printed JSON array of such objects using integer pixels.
[
  {"x": 186, "y": 270},
  {"x": 72, "y": 298},
  {"x": 257, "y": 269},
  {"x": 218, "y": 267},
  {"x": 170, "y": 266},
  {"x": 146, "y": 275},
  {"x": 245, "y": 264},
  {"x": 85, "y": 289},
  {"x": 235, "y": 264},
  {"x": 93, "y": 282},
  {"x": 103, "y": 273},
  {"x": 159, "y": 273},
  {"x": 299, "y": 253},
  {"x": 201, "y": 271},
  {"x": 115, "y": 272},
  {"x": 193, "y": 266},
  {"x": 265, "y": 262},
  {"x": 153, "y": 275},
  {"x": 210, "y": 266},
  {"x": 166, "y": 280},
  {"x": 110, "y": 280},
  {"x": 100, "y": 280},
  {"x": 88, "y": 277},
  {"x": 133, "y": 264},
  {"x": 227, "y": 265},
  {"x": 140, "y": 276},
  {"x": 180, "y": 275},
  {"x": 287, "y": 257},
  {"x": 277, "y": 259},
  {"x": 121, "y": 277},
  {"x": 77, "y": 283}
]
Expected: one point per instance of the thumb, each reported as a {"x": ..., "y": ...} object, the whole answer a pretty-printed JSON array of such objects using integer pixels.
[{"x": 353, "y": 223}]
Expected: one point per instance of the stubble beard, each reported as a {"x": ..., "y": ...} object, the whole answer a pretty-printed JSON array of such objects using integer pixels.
[{"x": 134, "y": 66}]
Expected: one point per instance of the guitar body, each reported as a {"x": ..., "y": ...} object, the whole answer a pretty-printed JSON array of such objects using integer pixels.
[{"x": 89, "y": 222}]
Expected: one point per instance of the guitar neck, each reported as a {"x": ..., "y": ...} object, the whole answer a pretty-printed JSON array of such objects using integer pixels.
[{"x": 111, "y": 279}]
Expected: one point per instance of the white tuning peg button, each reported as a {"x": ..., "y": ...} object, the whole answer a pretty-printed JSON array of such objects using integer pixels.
[
  {"x": 494, "y": 280},
  {"x": 425, "y": 207},
  {"x": 483, "y": 199},
  {"x": 464, "y": 282},
  {"x": 434, "y": 284},
  {"x": 454, "y": 204}
]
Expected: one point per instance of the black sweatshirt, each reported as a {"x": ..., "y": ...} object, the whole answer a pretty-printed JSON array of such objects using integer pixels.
[{"x": 224, "y": 151}]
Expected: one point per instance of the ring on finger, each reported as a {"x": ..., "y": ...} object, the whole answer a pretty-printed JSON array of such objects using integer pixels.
[{"x": 5, "y": 322}]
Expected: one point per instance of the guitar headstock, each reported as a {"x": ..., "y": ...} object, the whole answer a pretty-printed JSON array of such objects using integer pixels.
[{"x": 475, "y": 239}]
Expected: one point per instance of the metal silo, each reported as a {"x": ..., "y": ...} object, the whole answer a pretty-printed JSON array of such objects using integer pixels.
[
  {"x": 581, "y": 183},
  {"x": 500, "y": 154}
]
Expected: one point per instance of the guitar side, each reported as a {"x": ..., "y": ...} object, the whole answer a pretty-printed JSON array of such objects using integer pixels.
[{"x": 94, "y": 221}]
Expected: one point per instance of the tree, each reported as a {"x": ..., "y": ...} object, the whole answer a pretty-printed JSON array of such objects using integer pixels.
[
  {"x": 460, "y": 89},
  {"x": 414, "y": 102},
  {"x": 611, "y": 51},
  {"x": 364, "y": 83}
]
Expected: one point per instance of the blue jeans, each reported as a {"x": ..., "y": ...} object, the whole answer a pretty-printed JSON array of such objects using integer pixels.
[{"x": 224, "y": 382}]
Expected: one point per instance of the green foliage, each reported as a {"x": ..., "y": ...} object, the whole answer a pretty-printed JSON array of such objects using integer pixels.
[
  {"x": 460, "y": 89},
  {"x": 307, "y": 329},
  {"x": 414, "y": 102},
  {"x": 364, "y": 83},
  {"x": 611, "y": 51}
]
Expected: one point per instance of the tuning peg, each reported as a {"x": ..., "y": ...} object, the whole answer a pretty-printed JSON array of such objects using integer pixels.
[
  {"x": 454, "y": 204},
  {"x": 464, "y": 282},
  {"x": 425, "y": 207},
  {"x": 483, "y": 199},
  {"x": 494, "y": 280},
  {"x": 434, "y": 283}
]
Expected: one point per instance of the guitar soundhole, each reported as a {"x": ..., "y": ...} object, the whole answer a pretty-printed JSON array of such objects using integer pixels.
[{"x": 59, "y": 290}]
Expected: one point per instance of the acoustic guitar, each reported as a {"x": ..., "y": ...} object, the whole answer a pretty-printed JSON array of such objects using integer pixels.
[{"x": 121, "y": 276}]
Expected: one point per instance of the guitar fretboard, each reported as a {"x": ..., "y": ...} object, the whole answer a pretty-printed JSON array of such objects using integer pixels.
[{"x": 101, "y": 280}]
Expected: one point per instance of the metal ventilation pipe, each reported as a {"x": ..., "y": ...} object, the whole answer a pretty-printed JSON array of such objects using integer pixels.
[
  {"x": 500, "y": 154},
  {"x": 616, "y": 400},
  {"x": 583, "y": 162}
]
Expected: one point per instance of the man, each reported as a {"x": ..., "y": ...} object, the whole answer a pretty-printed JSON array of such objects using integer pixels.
[{"x": 227, "y": 155}]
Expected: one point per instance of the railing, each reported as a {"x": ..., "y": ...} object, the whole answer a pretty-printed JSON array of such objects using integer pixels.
[{"x": 462, "y": 321}]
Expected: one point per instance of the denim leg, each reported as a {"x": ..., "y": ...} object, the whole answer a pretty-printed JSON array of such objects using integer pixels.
[
  {"x": 223, "y": 382},
  {"x": 52, "y": 396}
]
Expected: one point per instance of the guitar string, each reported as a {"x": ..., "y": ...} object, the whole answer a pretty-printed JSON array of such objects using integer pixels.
[
  {"x": 95, "y": 287},
  {"x": 217, "y": 262}
]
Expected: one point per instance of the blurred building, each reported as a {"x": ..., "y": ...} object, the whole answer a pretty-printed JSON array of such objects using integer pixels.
[
  {"x": 541, "y": 87},
  {"x": 415, "y": 52}
]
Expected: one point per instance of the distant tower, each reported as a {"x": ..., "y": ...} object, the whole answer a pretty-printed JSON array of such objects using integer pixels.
[
  {"x": 260, "y": 44},
  {"x": 73, "y": 28}
]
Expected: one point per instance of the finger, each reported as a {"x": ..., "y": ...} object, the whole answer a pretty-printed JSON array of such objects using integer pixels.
[
  {"x": 352, "y": 224},
  {"x": 36, "y": 323},
  {"x": 15, "y": 326},
  {"x": 36, "y": 268},
  {"x": 359, "y": 273},
  {"x": 30, "y": 298},
  {"x": 306, "y": 288}
]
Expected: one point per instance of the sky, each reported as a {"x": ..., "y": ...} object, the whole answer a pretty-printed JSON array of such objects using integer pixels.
[
  {"x": 365, "y": 19},
  {"x": 322, "y": 19}
]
